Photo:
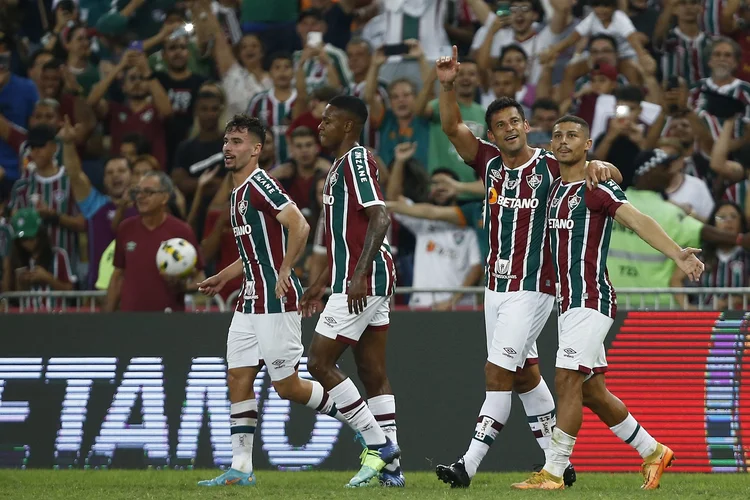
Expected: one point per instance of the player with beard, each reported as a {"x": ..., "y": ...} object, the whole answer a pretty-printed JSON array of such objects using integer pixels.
[
  {"x": 519, "y": 281},
  {"x": 266, "y": 328},
  {"x": 362, "y": 275},
  {"x": 580, "y": 225}
]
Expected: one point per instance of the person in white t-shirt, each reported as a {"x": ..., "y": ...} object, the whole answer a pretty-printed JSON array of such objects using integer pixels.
[
  {"x": 445, "y": 255},
  {"x": 607, "y": 19},
  {"x": 686, "y": 191}
]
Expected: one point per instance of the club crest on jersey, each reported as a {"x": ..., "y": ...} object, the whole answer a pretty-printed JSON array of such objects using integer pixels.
[
  {"x": 59, "y": 195},
  {"x": 511, "y": 184},
  {"x": 333, "y": 178},
  {"x": 242, "y": 207},
  {"x": 573, "y": 201},
  {"x": 534, "y": 180}
]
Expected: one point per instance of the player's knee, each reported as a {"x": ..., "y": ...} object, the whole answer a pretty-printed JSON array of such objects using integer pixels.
[
  {"x": 568, "y": 383},
  {"x": 286, "y": 389},
  {"x": 372, "y": 375},
  {"x": 497, "y": 378},
  {"x": 527, "y": 379},
  {"x": 317, "y": 367}
]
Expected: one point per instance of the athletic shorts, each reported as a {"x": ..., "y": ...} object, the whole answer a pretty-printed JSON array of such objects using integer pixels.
[
  {"x": 513, "y": 321},
  {"x": 275, "y": 339},
  {"x": 338, "y": 324},
  {"x": 581, "y": 333}
]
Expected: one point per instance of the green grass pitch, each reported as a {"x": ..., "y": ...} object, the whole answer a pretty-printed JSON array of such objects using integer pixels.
[{"x": 180, "y": 485}]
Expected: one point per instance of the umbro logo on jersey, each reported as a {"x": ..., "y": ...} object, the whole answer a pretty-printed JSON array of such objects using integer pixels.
[
  {"x": 494, "y": 174},
  {"x": 242, "y": 207},
  {"x": 574, "y": 201},
  {"x": 534, "y": 180}
]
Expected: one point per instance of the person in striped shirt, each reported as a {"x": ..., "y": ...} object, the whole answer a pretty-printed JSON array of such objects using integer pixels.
[
  {"x": 362, "y": 276},
  {"x": 271, "y": 233},
  {"x": 322, "y": 64},
  {"x": 48, "y": 190},
  {"x": 367, "y": 86},
  {"x": 685, "y": 46},
  {"x": 273, "y": 107},
  {"x": 580, "y": 222}
]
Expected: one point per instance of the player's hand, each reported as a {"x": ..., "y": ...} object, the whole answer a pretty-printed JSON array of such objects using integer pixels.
[
  {"x": 596, "y": 172},
  {"x": 283, "y": 281},
  {"x": 357, "y": 294},
  {"x": 211, "y": 286},
  {"x": 689, "y": 263},
  {"x": 447, "y": 68},
  {"x": 310, "y": 302}
]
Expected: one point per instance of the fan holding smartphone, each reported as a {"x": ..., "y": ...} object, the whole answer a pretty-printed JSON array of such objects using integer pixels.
[{"x": 320, "y": 63}]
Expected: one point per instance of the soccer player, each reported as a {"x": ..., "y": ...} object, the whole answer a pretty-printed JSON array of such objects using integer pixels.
[
  {"x": 271, "y": 233},
  {"x": 361, "y": 273},
  {"x": 518, "y": 298},
  {"x": 580, "y": 225}
]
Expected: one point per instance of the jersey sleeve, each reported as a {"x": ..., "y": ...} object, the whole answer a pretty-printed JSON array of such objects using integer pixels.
[
  {"x": 18, "y": 194},
  {"x": 268, "y": 195},
  {"x": 584, "y": 27},
  {"x": 93, "y": 202},
  {"x": 622, "y": 24},
  {"x": 363, "y": 178},
  {"x": 552, "y": 164},
  {"x": 608, "y": 197},
  {"x": 485, "y": 153}
]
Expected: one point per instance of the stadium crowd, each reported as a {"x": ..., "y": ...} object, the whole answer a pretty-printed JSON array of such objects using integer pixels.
[{"x": 104, "y": 103}]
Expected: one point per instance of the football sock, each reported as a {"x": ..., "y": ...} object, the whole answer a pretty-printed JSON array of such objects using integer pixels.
[
  {"x": 383, "y": 408},
  {"x": 322, "y": 402},
  {"x": 630, "y": 431},
  {"x": 242, "y": 421},
  {"x": 492, "y": 417},
  {"x": 355, "y": 410},
  {"x": 558, "y": 455},
  {"x": 540, "y": 413}
]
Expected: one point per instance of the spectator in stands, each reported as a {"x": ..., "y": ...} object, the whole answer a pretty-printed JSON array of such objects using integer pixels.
[
  {"x": 267, "y": 157},
  {"x": 727, "y": 265},
  {"x": 145, "y": 108},
  {"x": 98, "y": 209},
  {"x": 182, "y": 86},
  {"x": 198, "y": 59},
  {"x": 298, "y": 175},
  {"x": 18, "y": 96},
  {"x": 36, "y": 63},
  {"x": 273, "y": 107},
  {"x": 134, "y": 145},
  {"x": 319, "y": 63},
  {"x": 721, "y": 96},
  {"x": 177, "y": 205},
  {"x": 625, "y": 134},
  {"x": 684, "y": 46},
  {"x": 632, "y": 262},
  {"x": 602, "y": 49},
  {"x": 47, "y": 190},
  {"x": 446, "y": 255},
  {"x": 735, "y": 19},
  {"x": 686, "y": 191},
  {"x": 513, "y": 56},
  {"x": 584, "y": 103},
  {"x": 442, "y": 153},
  {"x": 338, "y": 17},
  {"x": 39, "y": 265},
  {"x": 317, "y": 259},
  {"x": 203, "y": 151},
  {"x": 739, "y": 192},
  {"x": 309, "y": 113},
  {"x": 77, "y": 46},
  {"x": 544, "y": 114},
  {"x": 60, "y": 85},
  {"x": 136, "y": 284},
  {"x": 519, "y": 27},
  {"x": 504, "y": 82},
  {"x": 362, "y": 63}
]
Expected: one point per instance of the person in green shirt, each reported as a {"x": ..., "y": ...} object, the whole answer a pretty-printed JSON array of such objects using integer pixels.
[
  {"x": 631, "y": 262},
  {"x": 442, "y": 153}
]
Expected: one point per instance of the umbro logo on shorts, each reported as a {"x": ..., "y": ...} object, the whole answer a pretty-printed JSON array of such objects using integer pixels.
[
  {"x": 509, "y": 352},
  {"x": 329, "y": 321},
  {"x": 278, "y": 363},
  {"x": 569, "y": 351}
]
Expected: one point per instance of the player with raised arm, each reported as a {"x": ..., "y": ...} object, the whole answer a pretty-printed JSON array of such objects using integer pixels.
[
  {"x": 518, "y": 297},
  {"x": 266, "y": 328},
  {"x": 580, "y": 225},
  {"x": 361, "y": 273}
]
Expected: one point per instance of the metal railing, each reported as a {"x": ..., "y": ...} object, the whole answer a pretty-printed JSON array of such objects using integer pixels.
[{"x": 654, "y": 299}]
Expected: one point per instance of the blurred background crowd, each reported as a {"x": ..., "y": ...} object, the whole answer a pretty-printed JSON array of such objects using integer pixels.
[{"x": 114, "y": 109}]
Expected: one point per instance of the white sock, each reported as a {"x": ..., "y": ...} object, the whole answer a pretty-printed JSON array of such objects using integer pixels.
[
  {"x": 540, "y": 412},
  {"x": 630, "y": 431},
  {"x": 355, "y": 410},
  {"x": 560, "y": 450},
  {"x": 383, "y": 408},
  {"x": 492, "y": 417},
  {"x": 322, "y": 403},
  {"x": 242, "y": 421}
]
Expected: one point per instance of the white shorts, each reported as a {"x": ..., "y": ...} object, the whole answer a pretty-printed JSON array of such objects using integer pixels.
[
  {"x": 581, "y": 333},
  {"x": 513, "y": 321},
  {"x": 338, "y": 324},
  {"x": 275, "y": 339}
]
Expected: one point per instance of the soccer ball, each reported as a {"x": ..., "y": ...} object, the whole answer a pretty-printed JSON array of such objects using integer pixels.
[{"x": 176, "y": 257}]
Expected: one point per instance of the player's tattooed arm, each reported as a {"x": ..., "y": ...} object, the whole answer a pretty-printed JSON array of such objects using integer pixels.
[{"x": 376, "y": 229}]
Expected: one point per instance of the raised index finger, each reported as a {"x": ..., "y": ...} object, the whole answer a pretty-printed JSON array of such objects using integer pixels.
[{"x": 455, "y": 53}]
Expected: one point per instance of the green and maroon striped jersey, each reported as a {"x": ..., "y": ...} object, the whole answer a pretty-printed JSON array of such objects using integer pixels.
[
  {"x": 351, "y": 187},
  {"x": 727, "y": 269},
  {"x": 54, "y": 192},
  {"x": 709, "y": 19},
  {"x": 261, "y": 241},
  {"x": 515, "y": 212},
  {"x": 276, "y": 115},
  {"x": 685, "y": 56},
  {"x": 580, "y": 224},
  {"x": 738, "y": 193}
]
